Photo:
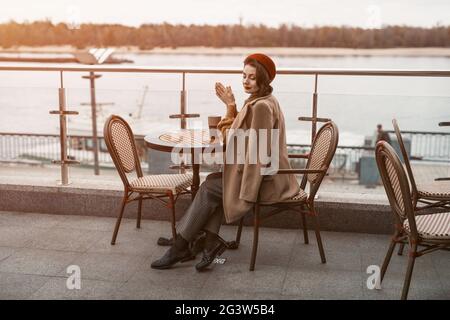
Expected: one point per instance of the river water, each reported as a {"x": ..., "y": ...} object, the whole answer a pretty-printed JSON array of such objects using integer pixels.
[{"x": 356, "y": 104}]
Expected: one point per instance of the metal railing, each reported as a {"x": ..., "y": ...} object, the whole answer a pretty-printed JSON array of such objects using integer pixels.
[
  {"x": 345, "y": 163},
  {"x": 42, "y": 148},
  {"x": 429, "y": 145},
  {"x": 93, "y": 71},
  {"x": 32, "y": 148}
]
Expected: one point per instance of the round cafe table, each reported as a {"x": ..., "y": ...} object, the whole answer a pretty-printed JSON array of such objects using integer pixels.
[
  {"x": 194, "y": 141},
  {"x": 190, "y": 140}
]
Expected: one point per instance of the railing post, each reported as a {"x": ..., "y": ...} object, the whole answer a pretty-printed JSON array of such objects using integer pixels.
[
  {"x": 182, "y": 113},
  {"x": 62, "y": 112},
  {"x": 183, "y": 103},
  {"x": 314, "y": 110},
  {"x": 183, "y": 116},
  {"x": 92, "y": 76},
  {"x": 314, "y": 119},
  {"x": 63, "y": 135}
]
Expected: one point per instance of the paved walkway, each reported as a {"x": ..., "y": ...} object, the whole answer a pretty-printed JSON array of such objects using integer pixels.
[{"x": 36, "y": 249}]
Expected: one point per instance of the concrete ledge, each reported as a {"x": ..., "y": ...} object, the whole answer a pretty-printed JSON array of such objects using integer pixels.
[
  {"x": 341, "y": 215},
  {"x": 365, "y": 213}
]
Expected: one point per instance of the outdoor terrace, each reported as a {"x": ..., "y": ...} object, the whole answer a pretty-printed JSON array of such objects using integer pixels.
[
  {"x": 45, "y": 227},
  {"x": 36, "y": 249}
]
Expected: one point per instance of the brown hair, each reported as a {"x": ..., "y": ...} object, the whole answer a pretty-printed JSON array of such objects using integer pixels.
[{"x": 262, "y": 78}]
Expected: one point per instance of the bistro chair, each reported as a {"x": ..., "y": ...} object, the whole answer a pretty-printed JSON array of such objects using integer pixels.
[
  {"x": 431, "y": 231},
  {"x": 435, "y": 194},
  {"x": 165, "y": 188},
  {"x": 318, "y": 162}
]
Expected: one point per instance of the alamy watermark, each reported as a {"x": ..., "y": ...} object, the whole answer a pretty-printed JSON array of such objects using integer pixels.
[
  {"x": 73, "y": 14},
  {"x": 374, "y": 18},
  {"x": 374, "y": 280},
  {"x": 250, "y": 146},
  {"x": 74, "y": 279}
]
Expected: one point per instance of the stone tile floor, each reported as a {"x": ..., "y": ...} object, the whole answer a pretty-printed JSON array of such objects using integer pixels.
[{"x": 36, "y": 249}]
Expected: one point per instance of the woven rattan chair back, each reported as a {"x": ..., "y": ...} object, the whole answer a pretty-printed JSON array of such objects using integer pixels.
[
  {"x": 121, "y": 145},
  {"x": 396, "y": 185},
  {"x": 319, "y": 160},
  {"x": 405, "y": 159},
  {"x": 321, "y": 155}
]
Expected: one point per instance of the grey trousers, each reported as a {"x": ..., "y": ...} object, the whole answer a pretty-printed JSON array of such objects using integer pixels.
[{"x": 205, "y": 211}]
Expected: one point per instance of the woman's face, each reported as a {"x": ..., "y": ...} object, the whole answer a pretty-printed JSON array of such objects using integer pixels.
[{"x": 249, "y": 79}]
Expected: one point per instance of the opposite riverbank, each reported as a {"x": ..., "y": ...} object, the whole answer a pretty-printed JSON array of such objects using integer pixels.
[{"x": 276, "y": 51}]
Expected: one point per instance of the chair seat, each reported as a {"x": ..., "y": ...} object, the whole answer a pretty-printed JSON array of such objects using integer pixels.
[
  {"x": 432, "y": 226},
  {"x": 437, "y": 190},
  {"x": 162, "y": 182},
  {"x": 301, "y": 196}
]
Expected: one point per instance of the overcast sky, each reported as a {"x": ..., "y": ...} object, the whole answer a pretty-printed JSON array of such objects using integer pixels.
[{"x": 363, "y": 13}]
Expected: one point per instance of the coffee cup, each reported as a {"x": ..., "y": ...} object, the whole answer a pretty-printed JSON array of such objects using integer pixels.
[{"x": 213, "y": 121}]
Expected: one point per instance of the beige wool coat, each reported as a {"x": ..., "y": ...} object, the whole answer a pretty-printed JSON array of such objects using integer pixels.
[{"x": 242, "y": 182}]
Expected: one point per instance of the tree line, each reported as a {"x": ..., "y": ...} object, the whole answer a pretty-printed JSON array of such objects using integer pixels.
[{"x": 148, "y": 36}]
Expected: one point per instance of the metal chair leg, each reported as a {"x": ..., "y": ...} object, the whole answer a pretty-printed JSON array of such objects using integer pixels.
[
  {"x": 234, "y": 244},
  {"x": 319, "y": 238},
  {"x": 409, "y": 270},
  {"x": 305, "y": 228},
  {"x": 171, "y": 205},
  {"x": 119, "y": 219},
  {"x": 400, "y": 249},
  {"x": 387, "y": 259},
  {"x": 255, "y": 237},
  {"x": 239, "y": 232},
  {"x": 138, "y": 222}
]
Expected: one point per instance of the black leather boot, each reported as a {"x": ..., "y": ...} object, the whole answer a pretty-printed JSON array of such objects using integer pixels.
[
  {"x": 214, "y": 247},
  {"x": 178, "y": 252},
  {"x": 197, "y": 245}
]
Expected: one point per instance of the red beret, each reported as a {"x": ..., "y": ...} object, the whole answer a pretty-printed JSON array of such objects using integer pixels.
[{"x": 266, "y": 62}]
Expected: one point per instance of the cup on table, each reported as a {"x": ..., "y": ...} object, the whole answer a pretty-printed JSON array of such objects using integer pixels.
[{"x": 213, "y": 121}]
